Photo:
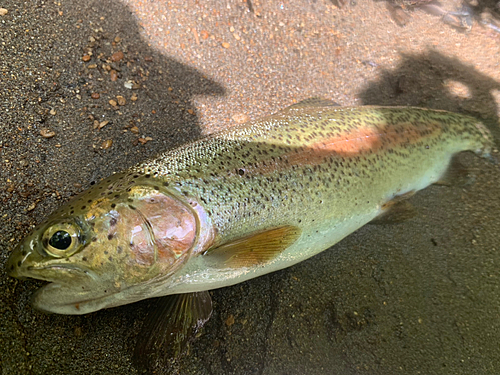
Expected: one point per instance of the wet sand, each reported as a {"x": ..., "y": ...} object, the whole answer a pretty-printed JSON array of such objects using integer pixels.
[{"x": 119, "y": 81}]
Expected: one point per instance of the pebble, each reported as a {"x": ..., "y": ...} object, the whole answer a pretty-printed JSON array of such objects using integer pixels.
[
  {"x": 204, "y": 34},
  {"x": 3, "y": 11},
  {"x": 121, "y": 100},
  {"x": 144, "y": 140},
  {"x": 117, "y": 56},
  {"x": 107, "y": 144},
  {"x": 196, "y": 37},
  {"x": 92, "y": 66},
  {"x": 95, "y": 95},
  {"x": 47, "y": 133},
  {"x": 128, "y": 85},
  {"x": 113, "y": 75},
  {"x": 52, "y": 112},
  {"x": 113, "y": 102},
  {"x": 225, "y": 44},
  {"x": 230, "y": 320},
  {"x": 240, "y": 118},
  {"x": 103, "y": 124},
  {"x": 86, "y": 58},
  {"x": 78, "y": 331},
  {"x": 134, "y": 130},
  {"x": 133, "y": 98}
]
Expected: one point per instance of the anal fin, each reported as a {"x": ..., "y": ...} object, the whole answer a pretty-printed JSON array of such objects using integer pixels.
[
  {"x": 397, "y": 210},
  {"x": 169, "y": 328},
  {"x": 255, "y": 249},
  {"x": 456, "y": 175}
]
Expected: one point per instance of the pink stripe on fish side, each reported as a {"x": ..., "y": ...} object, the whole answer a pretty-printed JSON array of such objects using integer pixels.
[{"x": 351, "y": 143}]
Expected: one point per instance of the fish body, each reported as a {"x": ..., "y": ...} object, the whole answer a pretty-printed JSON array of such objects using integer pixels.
[{"x": 238, "y": 204}]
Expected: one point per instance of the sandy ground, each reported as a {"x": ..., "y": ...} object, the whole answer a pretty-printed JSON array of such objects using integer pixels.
[{"x": 417, "y": 298}]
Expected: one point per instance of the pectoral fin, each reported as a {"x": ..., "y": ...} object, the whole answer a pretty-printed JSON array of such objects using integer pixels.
[
  {"x": 169, "y": 328},
  {"x": 256, "y": 249}
]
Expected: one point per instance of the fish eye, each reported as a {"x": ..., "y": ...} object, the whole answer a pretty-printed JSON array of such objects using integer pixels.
[{"x": 62, "y": 240}]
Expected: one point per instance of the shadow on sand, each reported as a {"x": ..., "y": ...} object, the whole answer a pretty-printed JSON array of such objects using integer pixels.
[{"x": 432, "y": 80}]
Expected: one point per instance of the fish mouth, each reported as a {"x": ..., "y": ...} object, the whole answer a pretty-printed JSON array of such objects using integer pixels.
[
  {"x": 60, "y": 299},
  {"x": 70, "y": 289},
  {"x": 26, "y": 262},
  {"x": 86, "y": 297},
  {"x": 80, "y": 299},
  {"x": 72, "y": 298},
  {"x": 55, "y": 272},
  {"x": 82, "y": 293},
  {"x": 71, "y": 269}
]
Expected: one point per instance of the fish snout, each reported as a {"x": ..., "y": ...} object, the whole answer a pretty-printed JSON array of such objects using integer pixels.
[{"x": 16, "y": 262}]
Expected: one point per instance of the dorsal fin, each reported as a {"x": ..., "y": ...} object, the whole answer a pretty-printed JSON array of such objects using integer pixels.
[
  {"x": 313, "y": 102},
  {"x": 256, "y": 249}
]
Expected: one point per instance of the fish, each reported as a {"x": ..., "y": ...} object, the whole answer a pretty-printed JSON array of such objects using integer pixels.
[{"x": 235, "y": 205}]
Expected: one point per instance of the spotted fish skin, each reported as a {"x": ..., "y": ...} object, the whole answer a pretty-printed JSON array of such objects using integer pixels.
[{"x": 323, "y": 170}]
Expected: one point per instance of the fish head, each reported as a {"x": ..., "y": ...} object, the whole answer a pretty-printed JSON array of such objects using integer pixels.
[{"x": 105, "y": 250}]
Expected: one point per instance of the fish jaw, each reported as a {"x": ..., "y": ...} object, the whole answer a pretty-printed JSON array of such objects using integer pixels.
[
  {"x": 70, "y": 285},
  {"x": 61, "y": 299},
  {"x": 75, "y": 289},
  {"x": 27, "y": 261},
  {"x": 82, "y": 299},
  {"x": 55, "y": 297}
]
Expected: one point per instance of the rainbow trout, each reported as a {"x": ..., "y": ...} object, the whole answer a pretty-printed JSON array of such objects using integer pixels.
[{"x": 238, "y": 204}]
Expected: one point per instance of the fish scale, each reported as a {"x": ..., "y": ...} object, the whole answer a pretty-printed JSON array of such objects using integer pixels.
[{"x": 238, "y": 204}]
